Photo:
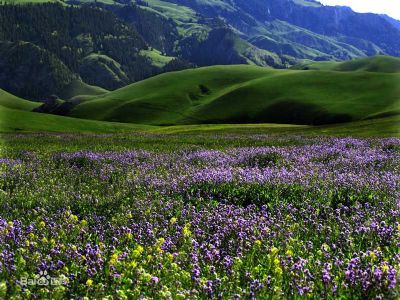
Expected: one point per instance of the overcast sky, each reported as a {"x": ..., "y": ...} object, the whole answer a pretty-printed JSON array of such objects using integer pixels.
[{"x": 389, "y": 7}]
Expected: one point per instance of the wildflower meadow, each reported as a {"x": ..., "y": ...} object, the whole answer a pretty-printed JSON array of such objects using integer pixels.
[{"x": 199, "y": 217}]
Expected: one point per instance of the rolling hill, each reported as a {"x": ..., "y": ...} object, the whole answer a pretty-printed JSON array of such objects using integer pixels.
[
  {"x": 13, "y": 120},
  {"x": 248, "y": 94},
  {"x": 380, "y": 64}
]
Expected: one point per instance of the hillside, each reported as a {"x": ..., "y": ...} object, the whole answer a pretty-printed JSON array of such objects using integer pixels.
[
  {"x": 46, "y": 47},
  {"x": 8, "y": 100},
  {"x": 13, "y": 120},
  {"x": 110, "y": 44},
  {"x": 300, "y": 29},
  {"x": 382, "y": 64},
  {"x": 247, "y": 94}
]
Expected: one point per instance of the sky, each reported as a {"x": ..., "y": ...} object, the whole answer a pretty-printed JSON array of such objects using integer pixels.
[{"x": 389, "y": 7}]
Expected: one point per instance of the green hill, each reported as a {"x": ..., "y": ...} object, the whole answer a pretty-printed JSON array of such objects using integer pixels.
[
  {"x": 248, "y": 94},
  {"x": 10, "y": 101},
  {"x": 383, "y": 64},
  {"x": 12, "y": 120},
  {"x": 79, "y": 88}
]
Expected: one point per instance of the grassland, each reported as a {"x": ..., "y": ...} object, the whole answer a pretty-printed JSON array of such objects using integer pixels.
[
  {"x": 366, "y": 100},
  {"x": 79, "y": 88},
  {"x": 10, "y": 101},
  {"x": 380, "y": 64},
  {"x": 198, "y": 216},
  {"x": 12, "y": 120},
  {"x": 248, "y": 94},
  {"x": 157, "y": 59}
]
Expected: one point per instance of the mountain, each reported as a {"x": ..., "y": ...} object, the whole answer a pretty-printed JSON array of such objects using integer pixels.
[
  {"x": 91, "y": 46},
  {"x": 60, "y": 44},
  {"x": 247, "y": 94},
  {"x": 336, "y": 31},
  {"x": 394, "y": 22}
]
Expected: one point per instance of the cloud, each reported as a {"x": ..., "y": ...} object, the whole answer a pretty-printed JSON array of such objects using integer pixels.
[{"x": 389, "y": 7}]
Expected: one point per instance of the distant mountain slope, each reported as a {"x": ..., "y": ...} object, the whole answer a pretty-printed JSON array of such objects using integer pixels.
[
  {"x": 336, "y": 32},
  {"x": 245, "y": 94},
  {"x": 109, "y": 44},
  {"x": 84, "y": 43},
  {"x": 30, "y": 71},
  {"x": 382, "y": 64}
]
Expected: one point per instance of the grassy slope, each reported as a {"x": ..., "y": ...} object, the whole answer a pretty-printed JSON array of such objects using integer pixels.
[
  {"x": 15, "y": 116},
  {"x": 22, "y": 121},
  {"x": 79, "y": 88},
  {"x": 10, "y": 101},
  {"x": 240, "y": 94},
  {"x": 383, "y": 64},
  {"x": 157, "y": 59},
  {"x": 383, "y": 127},
  {"x": 12, "y": 120}
]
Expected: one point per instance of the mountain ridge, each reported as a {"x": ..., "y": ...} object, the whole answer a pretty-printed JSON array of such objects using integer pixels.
[{"x": 111, "y": 44}]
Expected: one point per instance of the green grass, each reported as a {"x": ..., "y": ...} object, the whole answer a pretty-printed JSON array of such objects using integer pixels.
[
  {"x": 157, "y": 59},
  {"x": 12, "y": 120},
  {"x": 247, "y": 94},
  {"x": 79, "y": 88},
  {"x": 10, "y": 101},
  {"x": 382, "y": 64},
  {"x": 382, "y": 127}
]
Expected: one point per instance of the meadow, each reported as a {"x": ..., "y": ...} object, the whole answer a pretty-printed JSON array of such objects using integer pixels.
[{"x": 199, "y": 215}]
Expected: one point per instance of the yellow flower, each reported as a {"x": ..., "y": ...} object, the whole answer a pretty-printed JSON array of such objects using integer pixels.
[
  {"x": 170, "y": 256},
  {"x": 44, "y": 240},
  {"x": 10, "y": 224},
  {"x": 114, "y": 259},
  {"x": 133, "y": 265},
  {"x": 89, "y": 282},
  {"x": 42, "y": 225},
  {"x": 278, "y": 270},
  {"x": 73, "y": 218},
  {"x": 385, "y": 268},
  {"x": 27, "y": 243},
  {"x": 129, "y": 236},
  {"x": 186, "y": 230},
  {"x": 372, "y": 255},
  {"x": 274, "y": 250},
  {"x": 289, "y": 252},
  {"x": 138, "y": 251},
  {"x": 277, "y": 262},
  {"x": 84, "y": 223},
  {"x": 258, "y": 243},
  {"x": 173, "y": 220},
  {"x": 398, "y": 227}
]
